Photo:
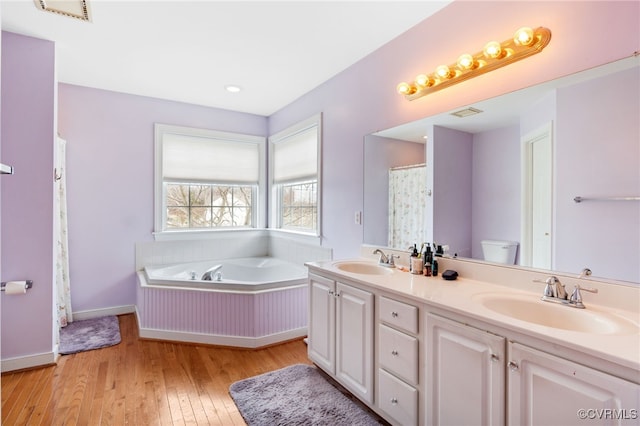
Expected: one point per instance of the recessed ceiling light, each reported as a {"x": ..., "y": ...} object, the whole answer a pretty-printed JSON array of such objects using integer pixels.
[{"x": 233, "y": 88}]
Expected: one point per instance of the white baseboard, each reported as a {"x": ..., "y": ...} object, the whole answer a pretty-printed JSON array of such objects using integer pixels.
[
  {"x": 29, "y": 361},
  {"x": 96, "y": 313},
  {"x": 211, "y": 339}
]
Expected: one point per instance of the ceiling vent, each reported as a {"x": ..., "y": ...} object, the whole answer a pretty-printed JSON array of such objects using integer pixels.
[
  {"x": 466, "y": 112},
  {"x": 78, "y": 9}
]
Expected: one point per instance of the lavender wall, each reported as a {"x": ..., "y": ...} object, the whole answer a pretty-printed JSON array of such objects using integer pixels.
[
  {"x": 111, "y": 146},
  {"x": 110, "y": 160},
  {"x": 452, "y": 167},
  {"x": 589, "y": 135},
  {"x": 28, "y": 129},
  {"x": 380, "y": 154},
  {"x": 362, "y": 99},
  {"x": 495, "y": 204}
]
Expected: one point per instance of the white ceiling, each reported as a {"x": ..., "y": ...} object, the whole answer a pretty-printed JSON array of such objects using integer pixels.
[{"x": 189, "y": 50}]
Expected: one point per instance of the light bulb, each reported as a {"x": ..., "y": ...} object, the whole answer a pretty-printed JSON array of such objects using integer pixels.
[
  {"x": 443, "y": 72},
  {"x": 405, "y": 88},
  {"x": 493, "y": 50},
  {"x": 523, "y": 37},
  {"x": 424, "y": 80},
  {"x": 466, "y": 62}
]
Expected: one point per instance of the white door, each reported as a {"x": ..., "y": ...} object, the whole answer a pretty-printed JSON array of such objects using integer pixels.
[
  {"x": 465, "y": 374},
  {"x": 548, "y": 390},
  {"x": 354, "y": 346},
  {"x": 322, "y": 311},
  {"x": 537, "y": 205}
]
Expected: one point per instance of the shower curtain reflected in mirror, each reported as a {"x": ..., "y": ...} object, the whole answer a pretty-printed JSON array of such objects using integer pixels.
[
  {"x": 407, "y": 205},
  {"x": 63, "y": 291}
]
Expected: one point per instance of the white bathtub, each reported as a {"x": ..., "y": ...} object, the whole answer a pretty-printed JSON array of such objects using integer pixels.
[{"x": 238, "y": 275}]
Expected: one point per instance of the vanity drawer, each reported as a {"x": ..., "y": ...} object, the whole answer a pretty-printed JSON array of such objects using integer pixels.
[
  {"x": 398, "y": 314},
  {"x": 398, "y": 353},
  {"x": 397, "y": 399}
]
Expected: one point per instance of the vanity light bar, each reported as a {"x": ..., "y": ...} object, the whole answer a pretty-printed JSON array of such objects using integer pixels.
[{"x": 525, "y": 42}]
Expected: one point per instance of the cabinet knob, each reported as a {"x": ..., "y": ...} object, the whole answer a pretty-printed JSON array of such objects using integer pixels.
[
  {"x": 513, "y": 366},
  {"x": 394, "y": 401},
  {"x": 495, "y": 358},
  {"x": 394, "y": 352},
  {"x": 331, "y": 293},
  {"x": 394, "y": 314}
]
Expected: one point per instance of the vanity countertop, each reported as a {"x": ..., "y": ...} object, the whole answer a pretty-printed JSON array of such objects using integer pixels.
[{"x": 463, "y": 296}]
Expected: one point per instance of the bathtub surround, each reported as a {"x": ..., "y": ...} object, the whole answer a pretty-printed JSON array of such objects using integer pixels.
[
  {"x": 247, "y": 319},
  {"x": 296, "y": 395}
]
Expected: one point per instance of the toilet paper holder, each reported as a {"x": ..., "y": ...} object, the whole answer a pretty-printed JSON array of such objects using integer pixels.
[{"x": 29, "y": 285}]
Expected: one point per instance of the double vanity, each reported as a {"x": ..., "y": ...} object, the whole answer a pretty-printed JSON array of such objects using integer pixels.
[{"x": 483, "y": 349}]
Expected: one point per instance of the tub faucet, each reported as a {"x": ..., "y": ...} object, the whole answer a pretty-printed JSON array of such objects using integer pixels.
[
  {"x": 384, "y": 259},
  {"x": 208, "y": 274}
]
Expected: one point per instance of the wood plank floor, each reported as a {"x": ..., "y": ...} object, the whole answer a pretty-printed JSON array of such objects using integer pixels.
[{"x": 140, "y": 382}]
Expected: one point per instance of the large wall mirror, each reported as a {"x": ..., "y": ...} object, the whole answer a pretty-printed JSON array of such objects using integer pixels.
[{"x": 510, "y": 169}]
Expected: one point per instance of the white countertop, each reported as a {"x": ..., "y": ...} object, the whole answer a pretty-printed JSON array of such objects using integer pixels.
[{"x": 462, "y": 297}]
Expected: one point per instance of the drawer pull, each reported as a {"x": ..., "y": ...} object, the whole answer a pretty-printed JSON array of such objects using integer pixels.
[
  {"x": 394, "y": 314},
  {"x": 394, "y": 401},
  {"x": 495, "y": 358},
  {"x": 394, "y": 352},
  {"x": 513, "y": 366}
]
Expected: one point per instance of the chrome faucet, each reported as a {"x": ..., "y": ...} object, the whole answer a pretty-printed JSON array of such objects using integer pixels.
[
  {"x": 208, "y": 274},
  {"x": 385, "y": 260},
  {"x": 554, "y": 291}
]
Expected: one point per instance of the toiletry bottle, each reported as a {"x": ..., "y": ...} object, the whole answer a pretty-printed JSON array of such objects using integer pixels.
[
  {"x": 413, "y": 259},
  {"x": 428, "y": 258},
  {"x": 434, "y": 267}
]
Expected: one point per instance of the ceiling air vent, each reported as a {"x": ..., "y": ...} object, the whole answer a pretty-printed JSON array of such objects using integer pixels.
[
  {"x": 78, "y": 9},
  {"x": 466, "y": 112}
]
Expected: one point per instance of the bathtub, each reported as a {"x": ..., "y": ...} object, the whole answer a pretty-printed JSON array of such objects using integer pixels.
[{"x": 251, "y": 274}]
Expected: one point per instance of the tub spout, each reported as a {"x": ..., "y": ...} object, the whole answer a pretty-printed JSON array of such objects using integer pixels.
[{"x": 209, "y": 273}]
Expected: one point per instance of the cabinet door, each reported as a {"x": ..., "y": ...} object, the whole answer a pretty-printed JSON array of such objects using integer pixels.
[
  {"x": 354, "y": 346},
  {"x": 548, "y": 390},
  {"x": 465, "y": 374},
  {"x": 322, "y": 311}
]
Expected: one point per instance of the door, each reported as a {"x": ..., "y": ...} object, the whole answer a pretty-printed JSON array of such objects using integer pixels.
[
  {"x": 354, "y": 346},
  {"x": 465, "y": 374},
  {"x": 537, "y": 200},
  {"x": 548, "y": 390},
  {"x": 322, "y": 309}
]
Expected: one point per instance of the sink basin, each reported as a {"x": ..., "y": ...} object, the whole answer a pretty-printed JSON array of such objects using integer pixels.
[
  {"x": 531, "y": 309},
  {"x": 363, "y": 267}
]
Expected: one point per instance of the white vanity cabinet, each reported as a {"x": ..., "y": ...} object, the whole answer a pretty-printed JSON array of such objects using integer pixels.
[
  {"x": 398, "y": 350},
  {"x": 547, "y": 390},
  {"x": 465, "y": 374},
  {"x": 341, "y": 333}
]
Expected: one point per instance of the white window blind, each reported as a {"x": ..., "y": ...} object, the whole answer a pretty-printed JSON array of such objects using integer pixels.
[
  {"x": 194, "y": 159},
  {"x": 296, "y": 157}
]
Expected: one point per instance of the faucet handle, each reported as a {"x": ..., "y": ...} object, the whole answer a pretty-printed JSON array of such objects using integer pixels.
[
  {"x": 550, "y": 283},
  {"x": 576, "y": 295},
  {"x": 391, "y": 256}
]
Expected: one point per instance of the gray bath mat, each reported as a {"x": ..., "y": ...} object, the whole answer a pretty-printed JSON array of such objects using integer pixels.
[
  {"x": 296, "y": 395},
  {"x": 89, "y": 334}
]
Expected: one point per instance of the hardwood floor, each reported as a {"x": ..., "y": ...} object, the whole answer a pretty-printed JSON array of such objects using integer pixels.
[{"x": 140, "y": 382}]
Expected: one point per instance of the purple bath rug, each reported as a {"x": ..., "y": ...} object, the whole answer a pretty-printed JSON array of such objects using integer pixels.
[{"x": 85, "y": 335}]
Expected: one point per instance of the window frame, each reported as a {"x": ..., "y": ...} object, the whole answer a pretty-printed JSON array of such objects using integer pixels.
[
  {"x": 275, "y": 219},
  {"x": 160, "y": 213}
]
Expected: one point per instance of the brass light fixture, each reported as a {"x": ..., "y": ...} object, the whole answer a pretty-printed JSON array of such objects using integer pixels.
[
  {"x": 494, "y": 55},
  {"x": 78, "y": 9}
]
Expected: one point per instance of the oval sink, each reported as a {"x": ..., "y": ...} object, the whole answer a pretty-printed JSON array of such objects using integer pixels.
[
  {"x": 534, "y": 310},
  {"x": 366, "y": 268}
]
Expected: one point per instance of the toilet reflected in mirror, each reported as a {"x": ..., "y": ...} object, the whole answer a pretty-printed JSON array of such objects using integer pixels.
[{"x": 500, "y": 251}]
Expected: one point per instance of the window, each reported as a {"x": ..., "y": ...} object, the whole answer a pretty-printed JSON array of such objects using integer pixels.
[
  {"x": 207, "y": 179},
  {"x": 295, "y": 177}
]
